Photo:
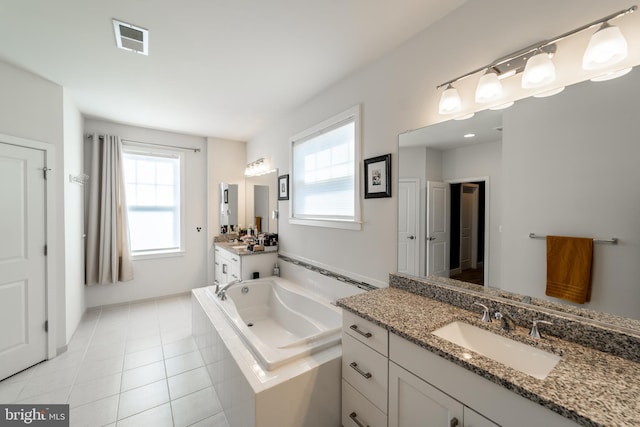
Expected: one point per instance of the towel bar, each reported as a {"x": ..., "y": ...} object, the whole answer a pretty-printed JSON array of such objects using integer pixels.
[{"x": 613, "y": 240}]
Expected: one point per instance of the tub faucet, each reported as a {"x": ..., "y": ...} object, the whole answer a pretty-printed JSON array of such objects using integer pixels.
[
  {"x": 504, "y": 321},
  {"x": 222, "y": 292}
]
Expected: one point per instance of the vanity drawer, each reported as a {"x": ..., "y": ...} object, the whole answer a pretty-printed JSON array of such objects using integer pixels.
[
  {"x": 365, "y": 331},
  {"x": 356, "y": 408},
  {"x": 366, "y": 370}
]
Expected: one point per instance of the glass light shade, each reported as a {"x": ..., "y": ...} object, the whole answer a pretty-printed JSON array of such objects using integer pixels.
[
  {"x": 611, "y": 75},
  {"x": 607, "y": 46},
  {"x": 450, "y": 101},
  {"x": 464, "y": 117},
  {"x": 538, "y": 72},
  {"x": 489, "y": 88}
]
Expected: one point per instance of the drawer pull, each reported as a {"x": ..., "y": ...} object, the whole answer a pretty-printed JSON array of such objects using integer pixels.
[
  {"x": 354, "y": 365},
  {"x": 354, "y": 417},
  {"x": 364, "y": 334}
]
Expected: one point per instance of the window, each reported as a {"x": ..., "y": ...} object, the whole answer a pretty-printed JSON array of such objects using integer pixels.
[
  {"x": 153, "y": 192},
  {"x": 325, "y": 178}
]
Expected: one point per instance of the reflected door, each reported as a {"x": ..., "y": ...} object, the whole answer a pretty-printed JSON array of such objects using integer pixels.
[
  {"x": 469, "y": 226},
  {"x": 437, "y": 229},
  {"x": 23, "y": 340},
  {"x": 408, "y": 233}
]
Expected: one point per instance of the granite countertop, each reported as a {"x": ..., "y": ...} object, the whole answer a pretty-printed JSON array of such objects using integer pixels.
[
  {"x": 608, "y": 396},
  {"x": 233, "y": 248}
]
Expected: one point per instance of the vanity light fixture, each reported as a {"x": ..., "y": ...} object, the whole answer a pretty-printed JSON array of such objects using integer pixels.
[
  {"x": 606, "y": 48},
  {"x": 548, "y": 93},
  {"x": 261, "y": 166},
  {"x": 465, "y": 116},
  {"x": 611, "y": 75},
  {"x": 450, "y": 101},
  {"x": 502, "y": 106}
]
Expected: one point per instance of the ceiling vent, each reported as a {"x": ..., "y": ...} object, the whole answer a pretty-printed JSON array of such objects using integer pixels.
[{"x": 131, "y": 38}]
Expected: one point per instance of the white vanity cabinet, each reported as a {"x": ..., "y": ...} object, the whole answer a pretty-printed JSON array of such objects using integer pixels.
[
  {"x": 229, "y": 266},
  {"x": 365, "y": 349},
  {"x": 414, "y": 402}
]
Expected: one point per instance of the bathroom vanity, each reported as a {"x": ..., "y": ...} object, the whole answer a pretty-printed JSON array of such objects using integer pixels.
[
  {"x": 396, "y": 372},
  {"x": 233, "y": 262}
]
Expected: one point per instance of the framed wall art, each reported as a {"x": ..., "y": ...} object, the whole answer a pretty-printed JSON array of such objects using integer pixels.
[{"x": 377, "y": 177}]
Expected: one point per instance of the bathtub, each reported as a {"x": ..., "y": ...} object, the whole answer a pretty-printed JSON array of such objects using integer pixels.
[{"x": 280, "y": 321}]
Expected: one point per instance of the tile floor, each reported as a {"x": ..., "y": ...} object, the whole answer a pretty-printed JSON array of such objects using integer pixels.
[{"x": 127, "y": 365}]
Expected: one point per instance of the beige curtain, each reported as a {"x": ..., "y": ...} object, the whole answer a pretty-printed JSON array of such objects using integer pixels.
[{"x": 108, "y": 252}]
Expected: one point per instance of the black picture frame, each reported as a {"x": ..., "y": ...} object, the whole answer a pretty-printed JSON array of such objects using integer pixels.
[
  {"x": 377, "y": 177},
  {"x": 283, "y": 187}
]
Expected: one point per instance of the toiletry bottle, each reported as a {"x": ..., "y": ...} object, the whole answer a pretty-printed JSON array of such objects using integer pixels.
[{"x": 276, "y": 270}]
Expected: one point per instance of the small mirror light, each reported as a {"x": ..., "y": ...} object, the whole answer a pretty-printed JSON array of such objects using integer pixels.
[
  {"x": 538, "y": 72},
  {"x": 489, "y": 88},
  {"x": 450, "y": 101},
  {"x": 607, "y": 47},
  {"x": 469, "y": 135}
]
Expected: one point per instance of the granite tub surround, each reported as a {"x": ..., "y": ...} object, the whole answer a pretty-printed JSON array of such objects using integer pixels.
[
  {"x": 620, "y": 338},
  {"x": 590, "y": 387}
]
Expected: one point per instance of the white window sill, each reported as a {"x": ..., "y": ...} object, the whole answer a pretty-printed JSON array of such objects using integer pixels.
[
  {"x": 344, "y": 225},
  {"x": 154, "y": 255}
]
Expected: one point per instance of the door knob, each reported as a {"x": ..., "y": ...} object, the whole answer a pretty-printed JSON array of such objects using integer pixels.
[
  {"x": 411, "y": 237},
  {"x": 431, "y": 238}
]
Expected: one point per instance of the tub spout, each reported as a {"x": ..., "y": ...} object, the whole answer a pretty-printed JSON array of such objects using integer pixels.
[{"x": 222, "y": 293}]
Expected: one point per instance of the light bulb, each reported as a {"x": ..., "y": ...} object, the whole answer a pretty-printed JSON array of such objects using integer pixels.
[
  {"x": 489, "y": 88},
  {"x": 538, "y": 72},
  {"x": 450, "y": 101},
  {"x": 607, "y": 46}
]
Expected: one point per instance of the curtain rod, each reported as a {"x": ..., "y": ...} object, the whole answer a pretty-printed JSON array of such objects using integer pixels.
[{"x": 194, "y": 149}]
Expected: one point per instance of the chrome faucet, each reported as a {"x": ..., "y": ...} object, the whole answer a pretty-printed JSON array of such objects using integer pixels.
[
  {"x": 534, "y": 329},
  {"x": 222, "y": 292},
  {"x": 504, "y": 321},
  {"x": 486, "y": 317}
]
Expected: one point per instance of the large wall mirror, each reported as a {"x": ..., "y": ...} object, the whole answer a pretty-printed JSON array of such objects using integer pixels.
[
  {"x": 261, "y": 201},
  {"x": 562, "y": 165}
]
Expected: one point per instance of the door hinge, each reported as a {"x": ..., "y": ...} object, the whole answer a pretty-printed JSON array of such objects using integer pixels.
[
  {"x": 46, "y": 326},
  {"x": 45, "y": 170},
  {"x": 46, "y": 250}
]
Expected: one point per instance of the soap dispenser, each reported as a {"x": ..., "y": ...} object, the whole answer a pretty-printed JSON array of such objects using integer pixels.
[{"x": 276, "y": 270}]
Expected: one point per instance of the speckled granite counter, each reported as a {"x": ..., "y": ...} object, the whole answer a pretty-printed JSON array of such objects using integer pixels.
[
  {"x": 241, "y": 249},
  {"x": 588, "y": 386}
]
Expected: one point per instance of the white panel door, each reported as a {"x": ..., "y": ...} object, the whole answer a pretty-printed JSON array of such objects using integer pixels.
[
  {"x": 437, "y": 229},
  {"x": 469, "y": 226},
  {"x": 408, "y": 233},
  {"x": 23, "y": 341},
  {"x": 414, "y": 402}
]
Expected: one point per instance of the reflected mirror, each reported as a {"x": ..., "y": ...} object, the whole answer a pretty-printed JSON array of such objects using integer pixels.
[
  {"x": 261, "y": 201},
  {"x": 563, "y": 165}
]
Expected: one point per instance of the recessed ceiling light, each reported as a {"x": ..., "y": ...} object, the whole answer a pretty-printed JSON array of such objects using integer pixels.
[{"x": 469, "y": 135}]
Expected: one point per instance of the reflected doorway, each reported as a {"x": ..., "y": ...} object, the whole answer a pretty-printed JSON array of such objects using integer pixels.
[{"x": 467, "y": 232}]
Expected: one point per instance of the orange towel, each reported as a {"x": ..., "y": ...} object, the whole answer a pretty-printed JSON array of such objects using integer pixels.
[{"x": 569, "y": 261}]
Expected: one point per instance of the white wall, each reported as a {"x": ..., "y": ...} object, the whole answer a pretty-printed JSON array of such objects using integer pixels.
[
  {"x": 398, "y": 93},
  {"x": 571, "y": 168},
  {"x": 476, "y": 161},
  {"x": 174, "y": 274},
  {"x": 32, "y": 108},
  {"x": 73, "y": 217},
  {"x": 226, "y": 161}
]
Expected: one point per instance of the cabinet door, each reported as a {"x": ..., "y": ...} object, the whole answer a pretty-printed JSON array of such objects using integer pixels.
[
  {"x": 414, "y": 403},
  {"x": 474, "y": 419}
]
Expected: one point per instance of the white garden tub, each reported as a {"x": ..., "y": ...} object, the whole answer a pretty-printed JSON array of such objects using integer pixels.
[{"x": 279, "y": 320}]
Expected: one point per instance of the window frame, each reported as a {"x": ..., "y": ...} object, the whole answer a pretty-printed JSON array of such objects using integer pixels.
[
  {"x": 316, "y": 130},
  {"x": 132, "y": 148}
]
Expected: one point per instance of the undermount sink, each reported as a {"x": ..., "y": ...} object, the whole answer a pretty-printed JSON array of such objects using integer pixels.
[{"x": 522, "y": 357}]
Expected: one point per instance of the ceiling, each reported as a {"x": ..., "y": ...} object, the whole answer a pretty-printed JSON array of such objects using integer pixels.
[{"x": 216, "y": 68}]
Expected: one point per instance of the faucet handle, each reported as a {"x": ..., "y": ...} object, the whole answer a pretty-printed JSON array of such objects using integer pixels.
[
  {"x": 486, "y": 317},
  {"x": 534, "y": 329}
]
